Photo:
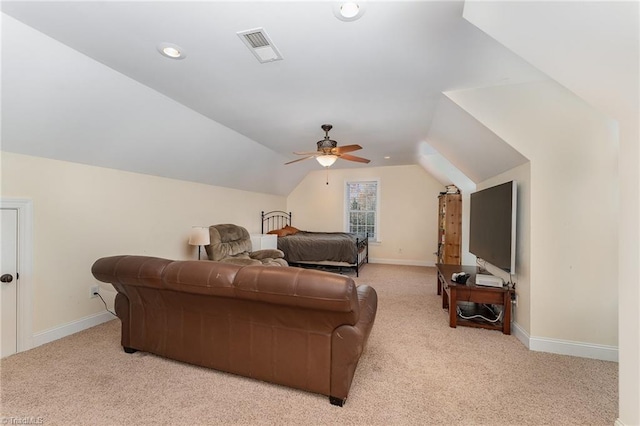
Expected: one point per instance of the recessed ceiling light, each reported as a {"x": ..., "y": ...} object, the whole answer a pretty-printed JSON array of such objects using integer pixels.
[
  {"x": 172, "y": 51},
  {"x": 386, "y": 157},
  {"x": 348, "y": 10}
]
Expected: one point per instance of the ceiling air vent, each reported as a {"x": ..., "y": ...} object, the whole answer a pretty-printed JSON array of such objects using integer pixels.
[{"x": 260, "y": 45}]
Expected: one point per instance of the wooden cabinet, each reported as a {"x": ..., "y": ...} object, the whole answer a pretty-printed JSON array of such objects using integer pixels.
[
  {"x": 467, "y": 303},
  {"x": 449, "y": 228}
]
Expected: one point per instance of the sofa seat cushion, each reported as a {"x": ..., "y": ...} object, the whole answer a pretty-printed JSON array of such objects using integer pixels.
[
  {"x": 274, "y": 262},
  {"x": 266, "y": 254},
  {"x": 241, "y": 259}
]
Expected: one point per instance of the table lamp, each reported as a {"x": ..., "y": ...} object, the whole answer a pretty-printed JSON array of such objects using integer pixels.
[{"x": 199, "y": 237}]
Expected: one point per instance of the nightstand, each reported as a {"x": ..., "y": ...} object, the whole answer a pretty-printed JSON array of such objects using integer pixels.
[{"x": 264, "y": 241}]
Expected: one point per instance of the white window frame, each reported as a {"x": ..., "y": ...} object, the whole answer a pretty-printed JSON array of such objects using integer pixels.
[{"x": 345, "y": 206}]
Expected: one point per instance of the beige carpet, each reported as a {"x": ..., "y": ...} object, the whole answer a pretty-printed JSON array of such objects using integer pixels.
[{"x": 415, "y": 370}]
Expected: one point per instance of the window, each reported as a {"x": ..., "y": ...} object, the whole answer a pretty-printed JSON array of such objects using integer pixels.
[{"x": 361, "y": 208}]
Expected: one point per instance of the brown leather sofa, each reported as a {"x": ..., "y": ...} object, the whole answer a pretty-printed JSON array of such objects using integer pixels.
[{"x": 296, "y": 327}]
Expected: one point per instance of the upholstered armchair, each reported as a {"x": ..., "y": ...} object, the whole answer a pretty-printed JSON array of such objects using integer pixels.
[{"x": 232, "y": 244}]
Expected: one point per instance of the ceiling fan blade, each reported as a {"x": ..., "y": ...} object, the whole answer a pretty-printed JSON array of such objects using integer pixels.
[
  {"x": 299, "y": 159},
  {"x": 354, "y": 158},
  {"x": 308, "y": 153},
  {"x": 346, "y": 148}
]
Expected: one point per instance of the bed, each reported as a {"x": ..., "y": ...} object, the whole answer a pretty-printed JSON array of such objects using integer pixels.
[{"x": 327, "y": 250}]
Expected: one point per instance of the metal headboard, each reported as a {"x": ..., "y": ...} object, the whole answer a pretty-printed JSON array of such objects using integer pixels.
[{"x": 275, "y": 220}]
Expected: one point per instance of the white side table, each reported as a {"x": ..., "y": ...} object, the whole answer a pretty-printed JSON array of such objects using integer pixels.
[{"x": 264, "y": 241}]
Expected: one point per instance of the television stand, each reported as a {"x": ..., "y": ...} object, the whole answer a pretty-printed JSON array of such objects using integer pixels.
[{"x": 471, "y": 298}]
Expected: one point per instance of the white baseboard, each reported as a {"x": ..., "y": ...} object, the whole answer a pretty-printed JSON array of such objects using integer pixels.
[
  {"x": 565, "y": 347},
  {"x": 520, "y": 334},
  {"x": 70, "y": 328},
  {"x": 407, "y": 262}
]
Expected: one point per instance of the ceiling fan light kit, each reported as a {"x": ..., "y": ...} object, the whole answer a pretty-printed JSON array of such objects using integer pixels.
[{"x": 327, "y": 160}]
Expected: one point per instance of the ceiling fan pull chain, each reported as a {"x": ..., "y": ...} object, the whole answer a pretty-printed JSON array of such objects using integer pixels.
[{"x": 327, "y": 174}]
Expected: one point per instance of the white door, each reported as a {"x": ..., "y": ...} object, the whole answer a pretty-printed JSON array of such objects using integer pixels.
[{"x": 8, "y": 283}]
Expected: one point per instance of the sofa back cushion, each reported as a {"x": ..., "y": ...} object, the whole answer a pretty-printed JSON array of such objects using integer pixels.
[
  {"x": 297, "y": 287},
  {"x": 281, "y": 288},
  {"x": 201, "y": 277},
  {"x": 286, "y": 286}
]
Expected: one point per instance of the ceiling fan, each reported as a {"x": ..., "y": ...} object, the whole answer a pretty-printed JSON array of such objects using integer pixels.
[{"x": 329, "y": 151}]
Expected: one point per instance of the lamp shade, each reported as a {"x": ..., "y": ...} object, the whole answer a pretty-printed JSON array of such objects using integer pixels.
[
  {"x": 199, "y": 236},
  {"x": 327, "y": 160}
]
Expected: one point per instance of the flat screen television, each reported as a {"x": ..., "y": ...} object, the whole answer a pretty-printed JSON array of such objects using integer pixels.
[{"x": 492, "y": 225}]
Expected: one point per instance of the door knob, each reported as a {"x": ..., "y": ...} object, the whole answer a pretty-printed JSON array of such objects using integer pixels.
[{"x": 6, "y": 278}]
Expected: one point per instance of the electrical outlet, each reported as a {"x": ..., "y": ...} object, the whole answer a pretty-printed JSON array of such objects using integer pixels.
[{"x": 94, "y": 289}]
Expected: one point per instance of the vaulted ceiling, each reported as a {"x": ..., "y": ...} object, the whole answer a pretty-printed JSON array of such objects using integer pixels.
[{"x": 84, "y": 82}]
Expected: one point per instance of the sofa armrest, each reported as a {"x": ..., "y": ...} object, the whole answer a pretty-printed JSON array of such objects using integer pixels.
[
  {"x": 348, "y": 343},
  {"x": 121, "y": 306},
  {"x": 267, "y": 254},
  {"x": 142, "y": 271}
]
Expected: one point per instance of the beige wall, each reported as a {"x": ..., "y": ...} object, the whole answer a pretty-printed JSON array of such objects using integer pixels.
[
  {"x": 601, "y": 67},
  {"x": 408, "y": 210},
  {"x": 82, "y": 213},
  {"x": 574, "y": 211},
  {"x": 522, "y": 175}
]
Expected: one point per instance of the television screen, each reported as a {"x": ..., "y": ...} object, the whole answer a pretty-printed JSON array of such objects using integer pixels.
[{"x": 492, "y": 225}]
